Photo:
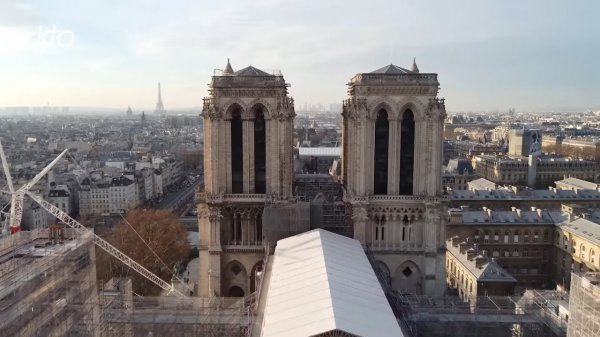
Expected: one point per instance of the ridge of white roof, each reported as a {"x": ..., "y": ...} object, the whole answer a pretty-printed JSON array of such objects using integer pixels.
[
  {"x": 321, "y": 282},
  {"x": 319, "y": 151}
]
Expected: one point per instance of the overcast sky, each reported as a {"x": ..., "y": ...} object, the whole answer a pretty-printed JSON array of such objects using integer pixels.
[{"x": 490, "y": 55}]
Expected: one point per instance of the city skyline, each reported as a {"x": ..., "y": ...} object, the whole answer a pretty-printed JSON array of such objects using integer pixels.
[{"x": 533, "y": 57}]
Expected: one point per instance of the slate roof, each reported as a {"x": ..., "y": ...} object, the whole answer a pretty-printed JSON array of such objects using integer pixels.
[
  {"x": 251, "y": 71},
  {"x": 584, "y": 228},
  {"x": 489, "y": 271},
  {"x": 392, "y": 69}
]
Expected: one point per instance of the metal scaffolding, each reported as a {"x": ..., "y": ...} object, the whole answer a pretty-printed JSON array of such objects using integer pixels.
[
  {"x": 533, "y": 314},
  {"x": 122, "y": 314},
  {"x": 584, "y": 305},
  {"x": 327, "y": 208},
  {"x": 48, "y": 285}
]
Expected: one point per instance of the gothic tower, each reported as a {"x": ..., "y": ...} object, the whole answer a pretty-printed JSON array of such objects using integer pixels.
[
  {"x": 248, "y": 134},
  {"x": 391, "y": 170}
]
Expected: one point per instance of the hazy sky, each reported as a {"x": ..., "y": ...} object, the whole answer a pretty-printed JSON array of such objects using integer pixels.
[{"x": 531, "y": 55}]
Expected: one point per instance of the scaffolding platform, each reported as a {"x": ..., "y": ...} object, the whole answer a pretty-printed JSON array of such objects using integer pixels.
[{"x": 48, "y": 284}]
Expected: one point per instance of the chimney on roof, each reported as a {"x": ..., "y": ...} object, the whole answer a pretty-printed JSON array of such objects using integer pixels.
[
  {"x": 464, "y": 208},
  {"x": 455, "y": 240},
  {"x": 463, "y": 247},
  {"x": 586, "y": 216},
  {"x": 539, "y": 212},
  {"x": 480, "y": 260},
  {"x": 471, "y": 253}
]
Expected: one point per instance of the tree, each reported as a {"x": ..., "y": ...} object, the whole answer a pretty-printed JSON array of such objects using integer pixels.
[{"x": 161, "y": 231}]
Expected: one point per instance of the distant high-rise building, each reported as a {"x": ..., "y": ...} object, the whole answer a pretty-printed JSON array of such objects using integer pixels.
[
  {"x": 160, "y": 108},
  {"x": 129, "y": 111}
]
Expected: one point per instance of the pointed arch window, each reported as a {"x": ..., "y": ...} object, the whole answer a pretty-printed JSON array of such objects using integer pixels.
[
  {"x": 380, "y": 169},
  {"x": 260, "y": 165},
  {"x": 407, "y": 152},
  {"x": 237, "y": 152},
  {"x": 236, "y": 228},
  {"x": 380, "y": 229}
]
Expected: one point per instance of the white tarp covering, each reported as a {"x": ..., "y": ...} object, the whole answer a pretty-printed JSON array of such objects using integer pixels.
[
  {"x": 319, "y": 151},
  {"x": 322, "y": 282}
]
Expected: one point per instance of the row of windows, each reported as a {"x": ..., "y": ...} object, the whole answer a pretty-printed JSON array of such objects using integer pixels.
[
  {"x": 459, "y": 275},
  {"x": 515, "y": 236},
  {"x": 525, "y": 252},
  {"x": 583, "y": 253}
]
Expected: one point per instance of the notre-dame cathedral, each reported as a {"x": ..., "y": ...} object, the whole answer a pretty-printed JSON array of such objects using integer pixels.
[{"x": 391, "y": 176}]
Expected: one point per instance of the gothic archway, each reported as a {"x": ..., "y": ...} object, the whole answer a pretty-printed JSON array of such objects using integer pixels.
[
  {"x": 255, "y": 274},
  {"x": 407, "y": 279},
  {"x": 384, "y": 271},
  {"x": 380, "y": 162},
  {"x": 237, "y": 150},
  {"x": 236, "y": 291},
  {"x": 235, "y": 275},
  {"x": 407, "y": 152},
  {"x": 260, "y": 164}
]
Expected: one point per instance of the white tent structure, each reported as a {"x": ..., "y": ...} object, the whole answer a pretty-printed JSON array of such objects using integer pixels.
[{"x": 322, "y": 284}]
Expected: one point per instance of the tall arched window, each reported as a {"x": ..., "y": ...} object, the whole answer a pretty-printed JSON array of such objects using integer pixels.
[
  {"x": 380, "y": 229},
  {"x": 237, "y": 153},
  {"x": 260, "y": 165},
  {"x": 380, "y": 169},
  {"x": 235, "y": 234},
  {"x": 259, "y": 228},
  {"x": 407, "y": 152}
]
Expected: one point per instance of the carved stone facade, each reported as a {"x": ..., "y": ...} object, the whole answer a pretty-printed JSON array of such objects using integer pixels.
[
  {"x": 248, "y": 127},
  {"x": 392, "y": 157}
]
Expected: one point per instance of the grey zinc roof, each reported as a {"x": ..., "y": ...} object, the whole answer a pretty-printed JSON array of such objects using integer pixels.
[
  {"x": 505, "y": 194},
  {"x": 482, "y": 184},
  {"x": 584, "y": 228},
  {"x": 251, "y": 71},
  {"x": 490, "y": 271},
  {"x": 577, "y": 183},
  {"x": 392, "y": 69},
  {"x": 502, "y": 216}
]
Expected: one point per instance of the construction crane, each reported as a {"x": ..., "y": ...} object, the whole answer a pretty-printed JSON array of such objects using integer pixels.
[
  {"x": 17, "y": 197},
  {"x": 107, "y": 247},
  {"x": 16, "y": 214}
]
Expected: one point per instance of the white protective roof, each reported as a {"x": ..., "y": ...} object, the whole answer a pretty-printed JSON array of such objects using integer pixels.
[
  {"x": 322, "y": 282},
  {"x": 319, "y": 151}
]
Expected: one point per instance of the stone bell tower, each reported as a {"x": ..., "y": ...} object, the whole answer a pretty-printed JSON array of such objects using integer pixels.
[
  {"x": 391, "y": 169},
  {"x": 248, "y": 134}
]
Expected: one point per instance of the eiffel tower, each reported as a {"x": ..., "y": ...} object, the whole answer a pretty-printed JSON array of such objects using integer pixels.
[{"x": 160, "y": 108}]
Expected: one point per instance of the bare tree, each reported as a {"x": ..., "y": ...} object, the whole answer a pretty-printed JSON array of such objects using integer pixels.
[{"x": 161, "y": 232}]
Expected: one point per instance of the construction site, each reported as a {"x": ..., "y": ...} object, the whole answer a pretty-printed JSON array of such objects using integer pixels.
[
  {"x": 48, "y": 286},
  {"x": 532, "y": 314},
  {"x": 325, "y": 196},
  {"x": 585, "y": 305}
]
